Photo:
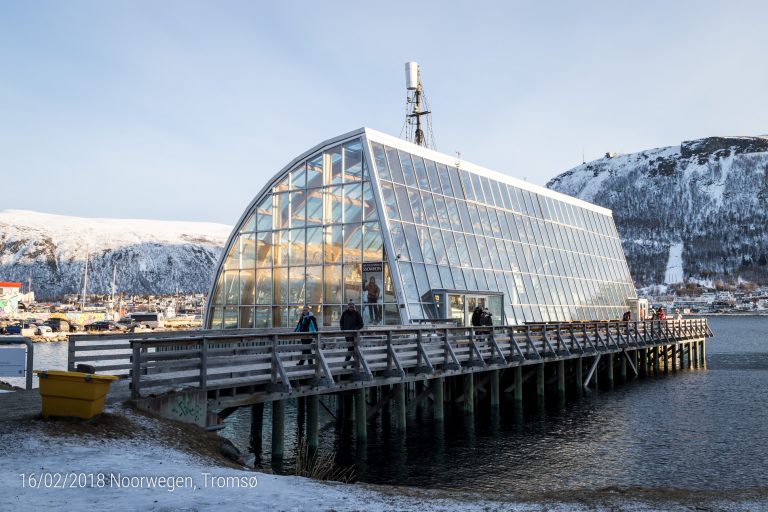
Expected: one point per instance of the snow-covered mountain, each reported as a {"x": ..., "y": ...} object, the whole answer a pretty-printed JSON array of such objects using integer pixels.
[
  {"x": 150, "y": 256},
  {"x": 691, "y": 212}
]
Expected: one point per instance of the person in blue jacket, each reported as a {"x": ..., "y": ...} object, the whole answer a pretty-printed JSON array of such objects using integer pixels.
[{"x": 307, "y": 323}]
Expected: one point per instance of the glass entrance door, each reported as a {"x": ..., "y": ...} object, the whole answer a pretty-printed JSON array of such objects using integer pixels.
[
  {"x": 456, "y": 310},
  {"x": 474, "y": 301}
]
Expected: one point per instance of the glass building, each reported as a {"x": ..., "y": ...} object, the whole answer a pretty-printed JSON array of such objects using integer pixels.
[{"x": 436, "y": 237}]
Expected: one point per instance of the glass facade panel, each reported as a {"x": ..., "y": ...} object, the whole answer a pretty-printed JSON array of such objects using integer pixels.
[{"x": 315, "y": 236}]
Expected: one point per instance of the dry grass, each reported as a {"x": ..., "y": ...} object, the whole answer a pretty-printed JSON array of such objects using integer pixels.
[{"x": 320, "y": 466}]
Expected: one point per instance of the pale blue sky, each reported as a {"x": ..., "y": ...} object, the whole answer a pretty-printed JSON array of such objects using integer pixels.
[{"x": 183, "y": 109}]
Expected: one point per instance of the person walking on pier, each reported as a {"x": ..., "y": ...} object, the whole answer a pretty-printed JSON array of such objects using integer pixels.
[
  {"x": 477, "y": 317},
  {"x": 486, "y": 318},
  {"x": 351, "y": 320},
  {"x": 307, "y": 323}
]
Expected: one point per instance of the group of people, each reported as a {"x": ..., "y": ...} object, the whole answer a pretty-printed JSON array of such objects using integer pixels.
[
  {"x": 481, "y": 317},
  {"x": 656, "y": 314},
  {"x": 351, "y": 320}
]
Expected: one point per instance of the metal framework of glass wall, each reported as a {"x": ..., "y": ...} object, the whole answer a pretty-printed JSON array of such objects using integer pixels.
[{"x": 316, "y": 236}]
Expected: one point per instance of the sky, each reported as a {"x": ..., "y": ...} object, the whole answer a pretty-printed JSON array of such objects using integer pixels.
[{"x": 183, "y": 110}]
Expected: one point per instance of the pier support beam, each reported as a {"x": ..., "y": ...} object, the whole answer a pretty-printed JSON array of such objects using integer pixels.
[
  {"x": 665, "y": 354},
  {"x": 703, "y": 353},
  {"x": 655, "y": 353},
  {"x": 313, "y": 410},
  {"x": 642, "y": 365},
  {"x": 257, "y": 429},
  {"x": 673, "y": 357},
  {"x": 681, "y": 350},
  {"x": 540, "y": 382},
  {"x": 347, "y": 406},
  {"x": 622, "y": 368},
  {"x": 361, "y": 416},
  {"x": 469, "y": 394},
  {"x": 609, "y": 370},
  {"x": 579, "y": 362},
  {"x": 695, "y": 347},
  {"x": 437, "y": 394},
  {"x": 518, "y": 385},
  {"x": 561, "y": 378},
  {"x": 400, "y": 407},
  {"x": 278, "y": 430},
  {"x": 495, "y": 388}
]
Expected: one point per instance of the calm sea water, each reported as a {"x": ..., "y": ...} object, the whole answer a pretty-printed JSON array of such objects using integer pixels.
[
  {"x": 700, "y": 429},
  {"x": 695, "y": 429}
]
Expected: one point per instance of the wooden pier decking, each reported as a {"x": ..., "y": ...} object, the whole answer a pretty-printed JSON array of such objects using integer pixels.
[{"x": 203, "y": 376}]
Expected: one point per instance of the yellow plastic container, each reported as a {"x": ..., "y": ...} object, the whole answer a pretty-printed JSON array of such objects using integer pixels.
[{"x": 73, "y": 393}]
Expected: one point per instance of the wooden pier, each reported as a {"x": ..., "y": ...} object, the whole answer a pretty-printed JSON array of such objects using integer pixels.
[{"x": 204, "y": 376}]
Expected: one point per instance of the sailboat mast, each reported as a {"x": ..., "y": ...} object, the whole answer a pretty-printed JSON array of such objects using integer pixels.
[{"x": 85, "y": 279}]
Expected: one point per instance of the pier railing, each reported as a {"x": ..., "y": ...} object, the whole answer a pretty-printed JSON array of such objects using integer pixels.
[{"x": 278, "y": 361}]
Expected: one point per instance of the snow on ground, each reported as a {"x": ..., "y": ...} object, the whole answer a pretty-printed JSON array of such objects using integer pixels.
[
  {"x": 674, "y": 272},
  {"x": 44, "y": 469}
]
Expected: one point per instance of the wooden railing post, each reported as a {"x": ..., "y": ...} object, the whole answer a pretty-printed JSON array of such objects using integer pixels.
[
  {"x": 136, "y": 371},
  {"x": 204, "y": 364}
]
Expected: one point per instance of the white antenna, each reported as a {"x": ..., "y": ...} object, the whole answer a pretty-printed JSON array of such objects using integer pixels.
[{"x": 414, "y": 112}]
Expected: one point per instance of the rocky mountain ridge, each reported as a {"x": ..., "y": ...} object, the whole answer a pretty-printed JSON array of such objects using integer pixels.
[
  {"x": 700, "y": 205},
  {"x": 150, "y": 257}
]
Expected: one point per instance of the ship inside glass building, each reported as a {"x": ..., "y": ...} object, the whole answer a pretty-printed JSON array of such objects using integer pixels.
[{"x": 411, "y": 235}]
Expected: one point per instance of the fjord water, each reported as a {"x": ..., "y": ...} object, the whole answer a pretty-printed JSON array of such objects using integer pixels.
[{"x": 698, "y": 429}]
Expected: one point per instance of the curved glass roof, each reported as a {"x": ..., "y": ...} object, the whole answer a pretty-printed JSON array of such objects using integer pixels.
[{"x": 390, "y": 225}]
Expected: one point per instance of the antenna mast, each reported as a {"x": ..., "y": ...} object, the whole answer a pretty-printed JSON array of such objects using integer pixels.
[{"x": 415, "y": 101}]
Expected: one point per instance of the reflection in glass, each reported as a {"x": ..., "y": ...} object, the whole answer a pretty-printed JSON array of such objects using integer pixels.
[
  {"x": 333, "y": 244},
  {"x": 332, "y": 284},
  {"x": 353, "y": 203},
  {"x": 353, "y": 281},
  {"x": 353, "y": 243},
  {"x": 264, "y": 286},
  {"x": 353, "y": 160}
]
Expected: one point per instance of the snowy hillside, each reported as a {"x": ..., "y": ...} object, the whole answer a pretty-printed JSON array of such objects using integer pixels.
[
  {"x": 695, "y": 211},
  {"x": 150, "y": 256}
]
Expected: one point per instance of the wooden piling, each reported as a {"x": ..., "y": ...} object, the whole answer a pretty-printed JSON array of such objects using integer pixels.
[
  {"x": 469, "y": 394},
  {"x": 257, "y": 428},
  {"x": 518, "y": 385},
  {"x": 495, "y": 388},
  {"x": 579, "y": 362},
  {"x": 313, "y": 411},
  {"x": 673, "y": 357},
  {"x": 347, "y": 406},
  {"x": 561, "y": 378},
  {"x": 703, "y": 353},
  {"x": 655, "y": 353},
  {"x": 623, "y": 367},
  {"x": 665, "y": 354},
  {"x": 609, "y": 370},
  {"x": 642, "y": 365},
  {"x": 361, "y": 415},
  {"x": 540, "y": 382},
  {"x": 278, "y": 429},
  {"x": 400, "y": 411},
  {"x": 437, "y": 394},
  {"x": 695, "y": 346}
]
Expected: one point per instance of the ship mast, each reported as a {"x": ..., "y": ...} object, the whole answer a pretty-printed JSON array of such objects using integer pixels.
[{"x": 85, "y": 280}]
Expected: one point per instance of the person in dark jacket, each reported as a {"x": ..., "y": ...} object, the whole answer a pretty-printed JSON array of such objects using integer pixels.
[
  {"x": 486, "y": 318},
  {"x": 627, "y": 317},
  {"x": 307, "y": 323},
  {"x": 351, "y": 320},
  {"x": 477, "y": 317}
]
